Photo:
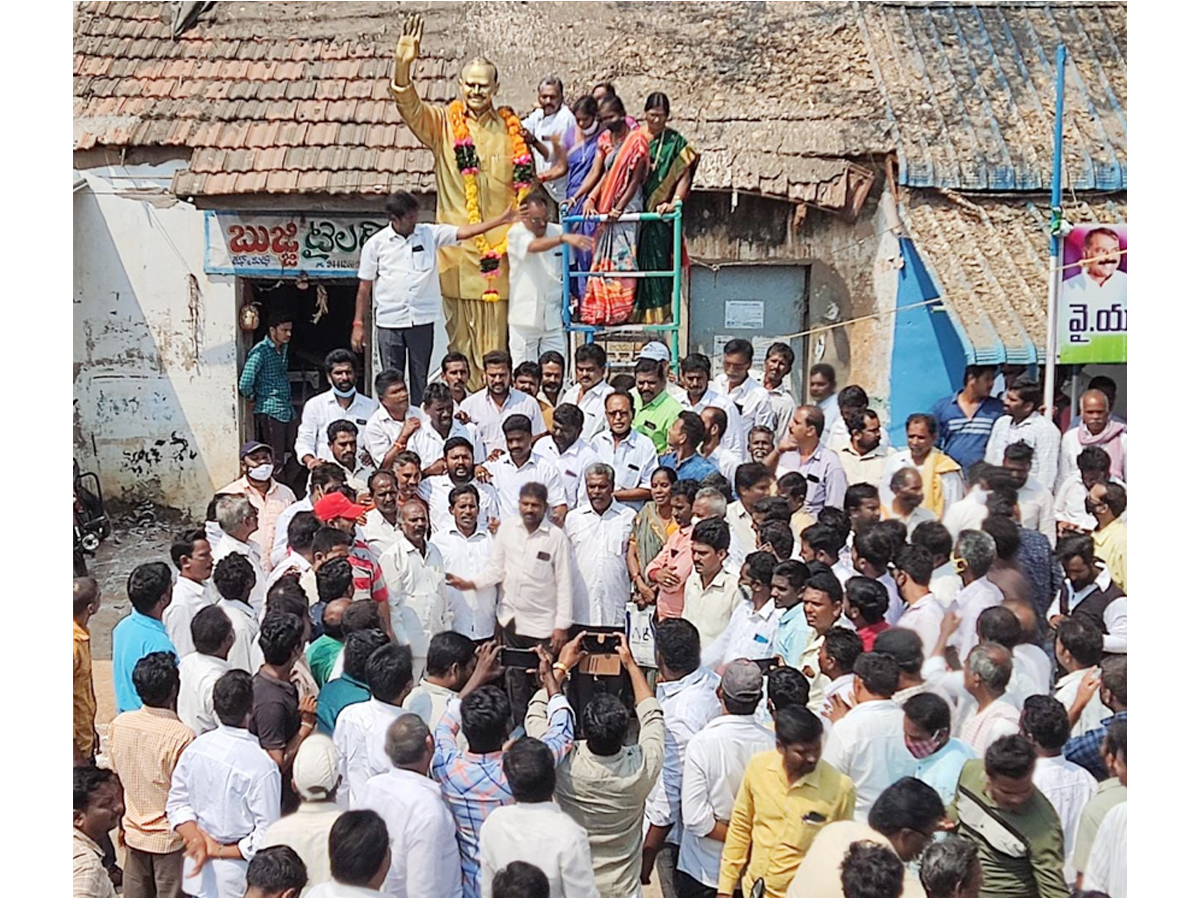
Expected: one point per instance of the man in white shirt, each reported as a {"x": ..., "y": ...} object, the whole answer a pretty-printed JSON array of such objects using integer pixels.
[
  {"x": 225, "y": 792},
  {"x": 491, "y": 407},
  {"x": 945, "y": 582},
  {"x": 599, "y": 530},
  {"x": 1025, "y": 423},
  {"x": 1067, "y": 786},
  {"x": 465, "y": 547},
  {"x": 750, "y": 397},
  {"x": 750, "y": 633},
  {"x": 212, "y": 636},
  {"x": 1108, "y": 864},
  {"x": 716, "y": 427},
  {"x": 306, "y": 831},
  {"x": 343, "y": 438},
  {"x": 1033, "y": 499},
  {"x": 532, "y": 560},
  {"x": 871, "y": 555},
  {"x": 233, "y": 579},
  {"x": 1091, "y": 467},
  {"x": 412, "y": 569},
  {"x": 521, "y": 465},
  {"x": 977, "y": 550},
  {"x": 460, "y": 471},
  {"x": 630, "y": 453},
  {"x": 866, "y": 742},
  {"x": 322, "y": 478},
  {"x": 535, "y": 828},
  {"x": 424, "y": 848},
  {"x": 359, "y": 732},
  {"x": 393, "y": 424},
  {"x": 341, "y": 401},
  {"x": 777, "y": 371},
  {"x": 711, "y": 591},
  {"x": 823, "y": 392},
  {"x": 535, "y": 317},
  {"x": 922, "y": 612},
  {"x": 569, "y": 451},
  {"x": 713, "y": 767},
  {"x": 398, "y": 274},
  {"x": 551, "y": 120},
  {"x": 192, "y": 592},
  {"x": 359, "y": 857},
  {"x": 695, "y": 370},
  {"x": 986, "y": 673},
  {"x": 687, "y": 692},
  {"x": 1078, "y": 648},
  {"x": 238, "y": 520},
  {"x": 590, "y": 390},
  {"x": 438, "y": 426},
  {"x": 382, "y": 528},
  {"x": 908, "y": 492},
  {"x": 450, "y": 664},
  {"x": 752, "y": 481}
]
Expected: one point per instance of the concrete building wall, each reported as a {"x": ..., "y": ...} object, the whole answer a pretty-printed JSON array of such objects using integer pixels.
[{"x": 155, "y": 352}]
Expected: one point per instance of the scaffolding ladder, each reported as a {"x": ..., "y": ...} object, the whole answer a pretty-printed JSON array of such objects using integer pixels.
[{"x": 669, "y": 330}]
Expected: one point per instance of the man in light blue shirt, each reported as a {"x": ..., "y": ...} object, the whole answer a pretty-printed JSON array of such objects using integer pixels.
[
  {"x": 787, "y": 589},
  {"x": 940, "y": 758},
  {"x": 141, "y": 632}
]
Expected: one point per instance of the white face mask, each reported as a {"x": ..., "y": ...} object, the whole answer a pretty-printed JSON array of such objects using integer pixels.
[
  {"x": 588, "y": 132},
  {"x": 263, "y": 472}
]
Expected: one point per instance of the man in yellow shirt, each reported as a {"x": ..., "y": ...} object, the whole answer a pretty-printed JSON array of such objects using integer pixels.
[
  {"x": 87, "y": 604},
  {"x": 1106, "y": 503},
  {"x": 787, "y": 796}
]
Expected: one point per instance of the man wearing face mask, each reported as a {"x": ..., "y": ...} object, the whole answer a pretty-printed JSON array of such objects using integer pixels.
[
  {"x": 258, "y": 485},
  {"x": 1011, "y": 824},
  {"x": 341, "y": 401},
  {"x": 939, "y": 757}
]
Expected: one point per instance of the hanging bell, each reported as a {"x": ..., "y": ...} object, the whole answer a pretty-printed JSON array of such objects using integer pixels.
[{"x": 249, "y": 317}]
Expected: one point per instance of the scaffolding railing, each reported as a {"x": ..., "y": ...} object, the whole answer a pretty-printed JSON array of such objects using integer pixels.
[{"x": 669, "y": 330}]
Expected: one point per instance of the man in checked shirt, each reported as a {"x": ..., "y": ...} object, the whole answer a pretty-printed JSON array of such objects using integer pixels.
[{"x": 473, "y": 782}]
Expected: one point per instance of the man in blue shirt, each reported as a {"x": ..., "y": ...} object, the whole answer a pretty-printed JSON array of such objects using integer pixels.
[
  {"x": 141, "y": 632},
  {"x": 964, "y": 421},
  {"x": 684, "y": 438}
]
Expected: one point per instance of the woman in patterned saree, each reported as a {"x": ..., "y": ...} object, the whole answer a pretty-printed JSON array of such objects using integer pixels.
[
  {"x": 614, "y": 188},
  {"x": 576, "y": 164},
  {"x": 672, "y": 162}
]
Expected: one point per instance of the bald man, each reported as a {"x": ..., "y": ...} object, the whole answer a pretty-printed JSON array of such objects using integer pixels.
[
  {"x": 323, "y": 652},
  {"x": 1097, "y": 428},
  {"x": 415, "y": 578}
]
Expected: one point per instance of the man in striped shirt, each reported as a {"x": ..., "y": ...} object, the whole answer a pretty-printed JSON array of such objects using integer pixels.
[
  {"x": 965, "y": 420},
  {"x": 473, "y": 781}
]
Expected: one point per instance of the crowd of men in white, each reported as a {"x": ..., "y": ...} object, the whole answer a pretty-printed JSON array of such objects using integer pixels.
[{"x": 769, "y": 652}]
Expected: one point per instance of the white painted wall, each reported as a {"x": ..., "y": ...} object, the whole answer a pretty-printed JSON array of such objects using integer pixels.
[{"x": 155, "y": 355}]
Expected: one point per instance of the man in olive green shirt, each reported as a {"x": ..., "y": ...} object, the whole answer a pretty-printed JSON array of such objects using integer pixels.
[
  {"x": 603, "y": 784},
  {"x": 656, "y": 409},
  {"x": 1111, "y": 792},
  {"x": 1011, "y": 823}
]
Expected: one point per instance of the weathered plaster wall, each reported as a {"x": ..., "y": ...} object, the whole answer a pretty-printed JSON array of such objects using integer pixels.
[{"x": 155, "y": 354}]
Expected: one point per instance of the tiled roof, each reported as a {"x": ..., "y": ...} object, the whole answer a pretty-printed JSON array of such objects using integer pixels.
[
  {"x": 970, "y": 88},
  {"x": 989, "y": 261},
  {"x": 286, "y": 97}
]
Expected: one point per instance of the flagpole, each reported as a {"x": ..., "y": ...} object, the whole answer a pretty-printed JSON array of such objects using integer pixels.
[{"x": 1055, "y": 240}]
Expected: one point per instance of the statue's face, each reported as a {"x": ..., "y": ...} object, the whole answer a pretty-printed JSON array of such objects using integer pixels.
[{"x": 478, "y": 86}]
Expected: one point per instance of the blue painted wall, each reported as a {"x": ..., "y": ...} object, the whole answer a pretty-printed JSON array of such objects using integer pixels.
[{"x": 927, "y": 356}]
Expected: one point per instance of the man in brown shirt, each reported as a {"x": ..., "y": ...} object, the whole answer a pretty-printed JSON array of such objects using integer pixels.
[
  {"x": 144, "y": 746},
  {"x": 87, "y": 604}
]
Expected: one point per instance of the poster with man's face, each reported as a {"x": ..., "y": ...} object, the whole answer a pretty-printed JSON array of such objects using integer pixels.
[{"x": 1092, "y": 321}]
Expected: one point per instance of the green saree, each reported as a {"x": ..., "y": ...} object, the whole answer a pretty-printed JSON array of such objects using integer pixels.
[{"x": 670, "y": 158}]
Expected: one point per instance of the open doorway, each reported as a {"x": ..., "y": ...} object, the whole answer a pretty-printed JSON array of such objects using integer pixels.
[{"x": 322, "y": 314}]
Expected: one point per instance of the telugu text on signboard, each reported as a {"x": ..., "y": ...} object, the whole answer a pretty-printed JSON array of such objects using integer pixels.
[
  {"x": 1092, "y": 318},
  {"x": 266, "y": 244}
]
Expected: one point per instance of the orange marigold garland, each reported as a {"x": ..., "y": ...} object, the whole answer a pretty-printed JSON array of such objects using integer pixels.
[{"x": 467, "y": 161}]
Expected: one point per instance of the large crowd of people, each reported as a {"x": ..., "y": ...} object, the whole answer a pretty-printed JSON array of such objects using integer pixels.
[{"x": 581, "y": 626}]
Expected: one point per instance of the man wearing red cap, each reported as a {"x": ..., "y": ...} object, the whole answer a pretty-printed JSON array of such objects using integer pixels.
[
  {"x": 338, "y": 511},
  {"x": 258, "y": 485}
]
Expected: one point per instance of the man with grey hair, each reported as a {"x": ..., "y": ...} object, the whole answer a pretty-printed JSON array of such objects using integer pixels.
[
  {"x": 599, "y": 534},
  {"x": 985, "y": 677},
  {"x": 238, "y": 520},
  {"x": 973, "y": 555},
  {"x": 710, "y": 503},
  {"x": 316, "y": 780},
  {"x": 950, "y": 868},
  {"x": 425, "y": 861},
  {"x": 552, "y": 123}
]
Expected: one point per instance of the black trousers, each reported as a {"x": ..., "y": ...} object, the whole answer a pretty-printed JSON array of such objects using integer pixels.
[
  {"x": 520, "y": 684},
  {"x": 279, "y": 436},
  {"x": 687, "y": 886},
  {"x": 414, "y": 346}
]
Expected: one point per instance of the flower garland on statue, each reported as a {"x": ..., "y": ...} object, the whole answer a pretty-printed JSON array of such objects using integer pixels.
[{"x": 467, "y": 161}]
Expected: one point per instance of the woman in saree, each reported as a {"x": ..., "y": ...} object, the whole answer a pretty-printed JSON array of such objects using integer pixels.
[
  {"x": 612, "y": 189},
  {"x": 576, "y": 164},
  {"x": 672, "y": 162},
  {"x": 651, "y": 528}
]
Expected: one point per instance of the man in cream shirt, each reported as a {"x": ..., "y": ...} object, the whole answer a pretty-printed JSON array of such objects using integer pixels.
[{"x": 412, "y": 569}]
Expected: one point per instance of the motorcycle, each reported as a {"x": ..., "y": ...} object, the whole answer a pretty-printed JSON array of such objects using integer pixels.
[{"x": 92, "y": 524}]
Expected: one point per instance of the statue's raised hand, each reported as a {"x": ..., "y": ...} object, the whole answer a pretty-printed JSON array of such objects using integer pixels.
[{"x": 408, "y": 48}]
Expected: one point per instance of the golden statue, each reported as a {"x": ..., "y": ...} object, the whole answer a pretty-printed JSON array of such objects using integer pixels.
[{"x": 481, "y": 164}]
